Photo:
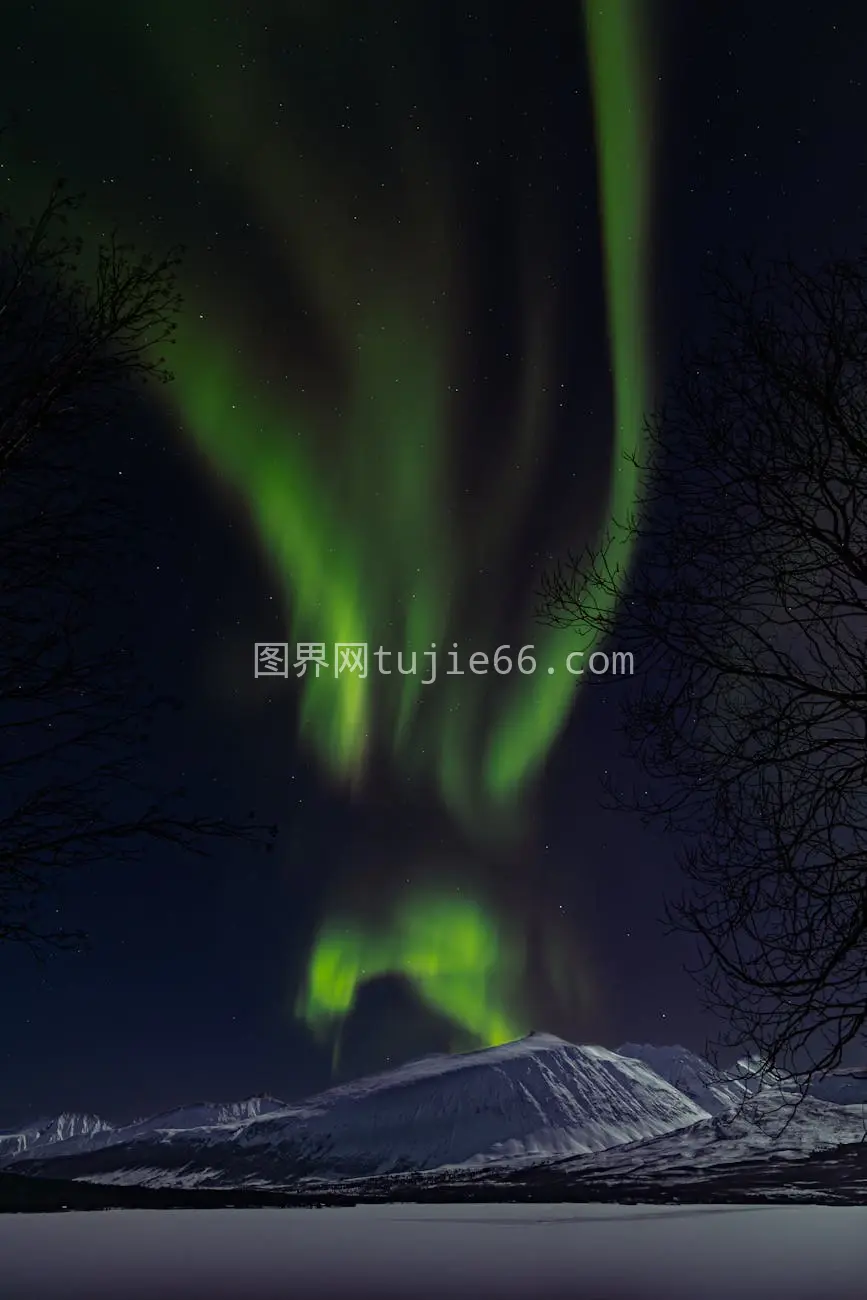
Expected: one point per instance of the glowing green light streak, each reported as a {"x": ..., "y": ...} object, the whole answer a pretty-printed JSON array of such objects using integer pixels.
[
  {"x": 624, "y": 143},
  {"x": 522, "y": 738}
]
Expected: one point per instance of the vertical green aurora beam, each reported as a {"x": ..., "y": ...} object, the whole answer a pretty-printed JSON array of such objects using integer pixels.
[{"x": 520, "y": 742}]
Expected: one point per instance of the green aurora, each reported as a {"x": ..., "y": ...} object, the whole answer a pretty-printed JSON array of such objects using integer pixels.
[
  {"x": 352, "y": 504},
  {"x": 451, "y": 950},
  {"x": 344, "y": 456}
]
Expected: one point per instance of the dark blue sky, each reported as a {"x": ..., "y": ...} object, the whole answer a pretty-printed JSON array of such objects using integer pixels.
[{"x": 187, "y": 989}]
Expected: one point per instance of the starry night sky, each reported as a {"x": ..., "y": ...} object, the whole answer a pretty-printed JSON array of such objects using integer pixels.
[{"x": 189, "y": 987}]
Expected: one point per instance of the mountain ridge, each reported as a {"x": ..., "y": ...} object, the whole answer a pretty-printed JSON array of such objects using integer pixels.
[
  {"x": 536, "y": 1102},
  {"x": 535, "y": 1098}
]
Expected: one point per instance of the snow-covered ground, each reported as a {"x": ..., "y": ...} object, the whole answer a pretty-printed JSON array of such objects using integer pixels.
[{"x": 597, "y": 1252}]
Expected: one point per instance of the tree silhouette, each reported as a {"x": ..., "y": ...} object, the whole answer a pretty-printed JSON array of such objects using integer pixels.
[
  {"x": 747, "y": 615},
  {"x": 78, "y": 335}
]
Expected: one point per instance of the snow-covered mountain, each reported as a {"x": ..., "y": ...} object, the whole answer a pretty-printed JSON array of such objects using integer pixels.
[
  {"x": 205, "y": 1114},
  {"x": 42, "y": 1133},
  {"x": 772, "y": 1147},
  {"x": 712, "y": 1089},
  {"x": 719, "y": 1090},
  {"x": 85, "y": 1133},
  {"x": 199, "y": 1115},
  {"x": 534, "y": 1099},
  {"x": 538, "y": 1103}
]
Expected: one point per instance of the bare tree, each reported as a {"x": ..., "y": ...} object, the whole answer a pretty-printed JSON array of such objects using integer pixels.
[
  {"x": 77, "y": 335},
  {"x": 747, "y": 614}
]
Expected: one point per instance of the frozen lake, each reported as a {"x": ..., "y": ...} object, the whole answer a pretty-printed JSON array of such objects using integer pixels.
[{"x": 602, "y": 1252}]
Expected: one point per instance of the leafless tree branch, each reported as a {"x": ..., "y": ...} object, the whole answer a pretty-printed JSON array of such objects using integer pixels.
[
  {"x": 747, "y": 616},
  {"x": 78, "y": 335}
]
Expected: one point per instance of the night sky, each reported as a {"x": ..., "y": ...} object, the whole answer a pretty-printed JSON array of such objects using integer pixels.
[{"x": 394, "y": 405}]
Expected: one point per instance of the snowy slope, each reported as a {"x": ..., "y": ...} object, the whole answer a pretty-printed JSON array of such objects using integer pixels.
[
  {"x": 204, "y": 1114},
  {"x": 42, "y": 1133},
  {"x": 712, "y": 1089},
  {"x": 763, "y": 1131},
  {"x": 77, "y": 1134},
  {"x": 536, "y": 1098}
]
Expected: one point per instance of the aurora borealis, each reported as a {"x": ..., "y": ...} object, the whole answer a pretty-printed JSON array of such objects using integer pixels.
[
  {"x": 354, "y": 501},
  {"x": 457, "y": 197},
  {"x": 335, "y": 380},
  {"x": 449, "y": 948},
  {"x": 354, "y": 496}
]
